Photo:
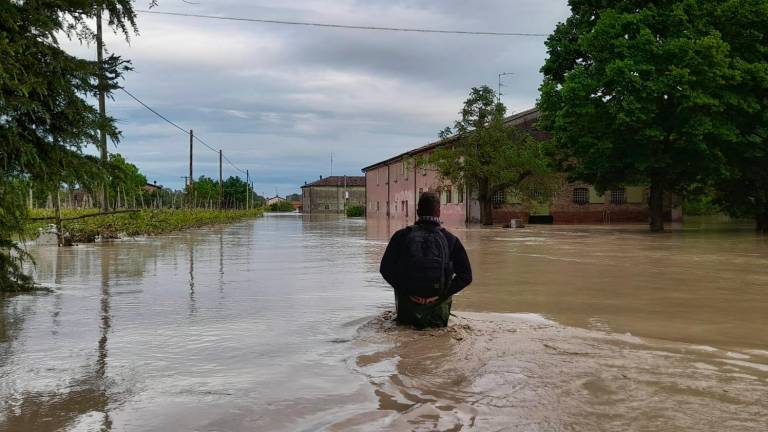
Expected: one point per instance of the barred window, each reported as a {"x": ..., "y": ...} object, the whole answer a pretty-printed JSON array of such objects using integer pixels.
[
  {"x": 580, "y": 195},
  {"x": 619, "y": 196},
  {"x": 448, "y": 195},
  {"x": 461, "y": 196},
  {"x": 498, "y": 197}
]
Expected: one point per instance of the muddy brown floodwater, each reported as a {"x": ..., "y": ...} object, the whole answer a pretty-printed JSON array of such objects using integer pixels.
[{"x": 283, "y": 324}]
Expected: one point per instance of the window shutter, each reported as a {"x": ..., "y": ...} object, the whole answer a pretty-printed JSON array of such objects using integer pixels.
[{"x": 596, "y": 198}]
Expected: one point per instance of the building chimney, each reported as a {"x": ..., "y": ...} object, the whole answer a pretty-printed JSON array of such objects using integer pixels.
[{"x": 321, "y": 177}]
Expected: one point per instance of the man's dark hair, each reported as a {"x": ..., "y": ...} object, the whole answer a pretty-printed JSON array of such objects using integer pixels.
[{"x": 429, "y": 204}]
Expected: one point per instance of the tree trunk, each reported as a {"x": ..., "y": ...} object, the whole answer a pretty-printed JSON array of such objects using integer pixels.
[
  {"x": 761, "y": 216},
  {"x": 486, "y": 206},
  {"x": 656, "y": 205}
]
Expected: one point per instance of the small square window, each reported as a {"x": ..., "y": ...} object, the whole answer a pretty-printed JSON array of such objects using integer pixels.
[
  {"x": 580, "y": 196},
  {"x": 619, "y": 196}
]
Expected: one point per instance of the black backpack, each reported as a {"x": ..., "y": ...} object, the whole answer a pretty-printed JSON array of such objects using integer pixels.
[{"x": 426, "y": 262}]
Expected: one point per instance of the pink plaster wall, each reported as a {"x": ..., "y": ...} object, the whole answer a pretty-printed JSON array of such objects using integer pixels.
[{"x": 402, "y": 193}]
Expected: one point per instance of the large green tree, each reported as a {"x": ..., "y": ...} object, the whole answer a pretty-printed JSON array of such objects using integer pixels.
[
  {"x": 487, "y": 156},
  {"x": 641, "y": 92},
  {"x": 743, "y": 189},
  {"x": 46, "y": 119}
]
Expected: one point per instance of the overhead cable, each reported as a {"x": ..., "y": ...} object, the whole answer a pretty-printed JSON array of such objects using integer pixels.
[
  {"x": 344, "y": 26},
  {"x": 185, "y": 131}
]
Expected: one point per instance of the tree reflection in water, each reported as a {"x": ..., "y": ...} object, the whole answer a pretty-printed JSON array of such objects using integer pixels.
[{"x": 89, "y": 394}]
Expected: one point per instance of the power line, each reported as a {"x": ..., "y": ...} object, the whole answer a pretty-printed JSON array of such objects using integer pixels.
[
  {"x": 200, "y": 140},
  {"x": 342, "y": 26},
  {"x": 153, "y": 111},
  {"x": 185, "y": 131},
  {"x": 232, "y": 164}
]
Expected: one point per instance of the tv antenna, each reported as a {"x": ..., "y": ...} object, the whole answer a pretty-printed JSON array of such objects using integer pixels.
[{"x": 501, "y": 75}]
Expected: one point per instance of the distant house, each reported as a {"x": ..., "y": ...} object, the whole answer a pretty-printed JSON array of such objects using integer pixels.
[
  {"x": 152, "y": 187},
  {"x": 274, "y": 200},
  {"x": 333, "y": 194}
]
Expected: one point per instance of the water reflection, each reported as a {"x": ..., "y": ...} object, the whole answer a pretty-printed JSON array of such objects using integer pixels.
[
  {"x": 256, "y": 326},
  {"x": 86, "y": 394}
]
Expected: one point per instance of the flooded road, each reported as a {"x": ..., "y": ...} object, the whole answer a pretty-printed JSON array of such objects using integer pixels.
[{"x": 281, "y": 324}]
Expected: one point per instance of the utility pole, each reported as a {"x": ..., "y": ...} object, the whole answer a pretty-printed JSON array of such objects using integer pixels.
[
  {"x": 247, "y": 189},
  {"x": 221, "y": 183},
  {"x": 191, "y": 178},
  {"x": 503, "y": 74},
  {"x": 102, "y": 106},
  {"x": 331, "y": 164}
]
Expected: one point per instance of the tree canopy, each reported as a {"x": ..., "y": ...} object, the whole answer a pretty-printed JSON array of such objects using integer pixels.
[
  {"x": 485, "y": 154},
  {"x": 46, "y": 119},
  {"x": 639, "y": 92}
]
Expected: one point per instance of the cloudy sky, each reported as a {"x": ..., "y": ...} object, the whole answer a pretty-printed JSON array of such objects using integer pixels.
[{"x": 280, "y": 99}]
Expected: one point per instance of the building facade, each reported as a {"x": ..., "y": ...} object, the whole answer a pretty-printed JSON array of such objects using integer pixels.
[
  {"x": 333, "y": 194},
  {"x": 274, "y": 200},
  {"x": 394, "y": 185}
]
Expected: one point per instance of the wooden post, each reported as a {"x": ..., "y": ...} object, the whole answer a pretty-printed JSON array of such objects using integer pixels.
[
  {"x": 191, "y": 178},
  {"x": 57, "y": 208},
  {"x": 102, "y": 104},
  {"x": 247, "y": 190},
  {"x": 221, "y": 182}
]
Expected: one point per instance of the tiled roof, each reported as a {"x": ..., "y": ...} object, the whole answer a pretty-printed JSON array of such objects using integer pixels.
[
  {"x": 339, "y": 181},
  {"x": 516, "y": 119}
]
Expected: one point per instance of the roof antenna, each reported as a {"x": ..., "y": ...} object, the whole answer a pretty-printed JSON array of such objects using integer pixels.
[{"x": 498, "y": 95}]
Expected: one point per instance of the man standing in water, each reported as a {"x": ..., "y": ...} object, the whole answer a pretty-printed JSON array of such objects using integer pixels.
[{"x": 426, "y": 265}]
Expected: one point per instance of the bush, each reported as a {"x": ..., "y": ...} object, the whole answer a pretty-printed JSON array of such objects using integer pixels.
[
  {"x": 281, "y": 206},
  {"x": 355, "y": 211},
  {"x": 145, "y": 222},
  {"x": 701, "y": 206}
]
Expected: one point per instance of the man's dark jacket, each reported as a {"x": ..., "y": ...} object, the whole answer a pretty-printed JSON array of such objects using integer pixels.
[{"x": 393, "y": 272}]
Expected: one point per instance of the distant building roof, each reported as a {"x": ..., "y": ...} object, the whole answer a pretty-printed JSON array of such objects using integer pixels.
[
  {"x": 513, "y": 120},
  {"x": 339, "y": 181}
]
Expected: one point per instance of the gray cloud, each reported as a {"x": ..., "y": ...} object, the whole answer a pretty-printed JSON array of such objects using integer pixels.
[{"x": 280, "y": 99}]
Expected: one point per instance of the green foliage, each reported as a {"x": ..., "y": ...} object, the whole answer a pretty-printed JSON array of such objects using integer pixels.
[
  {"x": 742, "y": 189},
  {"x": 646, "y": 94},
  {"x": 701, "y": 205},
  {"x": 46, "y": 121},
  {"x": 281, "y": 206},
  {"x": 484, "y": 154},
  {"x": 355, "y": 211},
  {"x": 206, "y": 193},
  {"x": 145, "y": 222}
]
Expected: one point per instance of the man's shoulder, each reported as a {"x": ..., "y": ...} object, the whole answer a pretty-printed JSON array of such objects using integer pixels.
[
  {"x": 452, "y": 239},
  {"x": 448, "y": 234},
  {"x": 401, "y": 233}
]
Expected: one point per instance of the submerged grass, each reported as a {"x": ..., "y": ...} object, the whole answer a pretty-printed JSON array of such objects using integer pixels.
[{"x": 144, "y": 222}]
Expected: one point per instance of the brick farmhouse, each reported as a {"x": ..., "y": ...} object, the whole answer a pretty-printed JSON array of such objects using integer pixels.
[{"x": 393, "y": 186}]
